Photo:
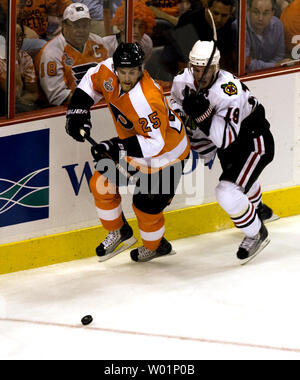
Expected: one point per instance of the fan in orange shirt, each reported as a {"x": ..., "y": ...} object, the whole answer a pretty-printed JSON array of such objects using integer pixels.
[
  {"x": 290, "y": 18},
  {"x": 144, "y": 22},
  {"x": 36, "y": 14},
  {"x": 150, "y": 136}
]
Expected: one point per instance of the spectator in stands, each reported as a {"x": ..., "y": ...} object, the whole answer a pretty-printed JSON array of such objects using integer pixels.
[
  {"x": 109, "y": 10},
  {"x": 196, "y": 25},
  {"x": 114, "y": 5},
  {"x": 66, "y": 58},
  {"x": 26, "y": 88},
  {"x": 43, "y": 16},
  {"x": 144, "y": 22},
  {"x": 170, "y": 6},
  {"x": 3, "y": 32},
  {"x": 32, "y": 46},
  {"x": 280, "y": 6},
  {"x": 185, "y": 17},
  {"x": 183, "y": 6},
  {"x": 3, "y": 21},
  {"x": 172, "y": 18},
  {"x": 31, "y": 43},
  {"x": 189, "y": 6},
  {"x": 265, "y": 47},
  {"x": 96, "y": 12},
  {"x": 290, "y": 19},
  {"x": 2, "y": 88}
]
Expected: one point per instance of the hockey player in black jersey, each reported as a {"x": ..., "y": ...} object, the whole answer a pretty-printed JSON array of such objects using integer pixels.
[{"x": 225, "y": 120}]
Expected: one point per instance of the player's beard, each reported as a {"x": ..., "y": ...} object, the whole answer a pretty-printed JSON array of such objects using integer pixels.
[{"x": 127, "y": 86}]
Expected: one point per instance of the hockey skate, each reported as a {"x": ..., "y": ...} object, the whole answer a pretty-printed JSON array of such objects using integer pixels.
[
  {"x": 143, "y": 254},
  {"x": 250, "y": 247},
  {"x": 116, "y": 242},
  {"x": 265, "y": 213}
]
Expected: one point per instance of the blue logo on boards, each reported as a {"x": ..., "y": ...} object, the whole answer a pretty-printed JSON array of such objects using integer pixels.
[
  {"x": 77, "y": 178},
  {"x": 24, "y": 177}
]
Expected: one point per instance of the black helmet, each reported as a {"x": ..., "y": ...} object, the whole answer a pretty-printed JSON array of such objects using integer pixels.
[{"x": 128, "y": 55}]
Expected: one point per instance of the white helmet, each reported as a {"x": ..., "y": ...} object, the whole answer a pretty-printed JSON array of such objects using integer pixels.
[{"x": 200, "y": 53}]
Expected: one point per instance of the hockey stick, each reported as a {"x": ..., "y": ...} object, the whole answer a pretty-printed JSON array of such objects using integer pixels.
[
  {"x": 205, "y": 71},
  {"x": 212, "y": 53},
  {"x": 122, "y": 170}
]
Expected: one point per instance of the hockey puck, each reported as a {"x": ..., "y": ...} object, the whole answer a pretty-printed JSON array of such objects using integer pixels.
[{"x": 86, "y": 320}]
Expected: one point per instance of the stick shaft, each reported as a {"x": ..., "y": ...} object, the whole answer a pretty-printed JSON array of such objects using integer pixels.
[
  {"x": 209, "y": 60},
  {"x": 90, "y": 140},
  {"x": 212, "y": 53}
]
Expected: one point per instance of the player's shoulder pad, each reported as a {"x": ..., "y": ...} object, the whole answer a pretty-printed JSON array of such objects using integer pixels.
[
  {"x": 183, "y": 73},
  {"x": 183, "y": 79},
  {"x": 225, "y": 91},
  {"x": 108, "y": 62}
]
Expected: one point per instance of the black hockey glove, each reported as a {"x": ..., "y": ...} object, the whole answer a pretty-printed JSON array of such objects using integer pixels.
[
  {"x": 78, "y": 123},
  {"x": 200, "y": 110},
  {"x": 108, "y": 149},
  {"x": 197, "y": 107},
  {"x": 78, "y": 115}
]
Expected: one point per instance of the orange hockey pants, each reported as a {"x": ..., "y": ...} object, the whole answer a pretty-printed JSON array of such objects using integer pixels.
[{"x": 108, "y": 204}]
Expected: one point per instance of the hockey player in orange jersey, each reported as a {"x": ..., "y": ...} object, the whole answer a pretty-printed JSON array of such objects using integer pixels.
[{"x": 151, "y": 137}]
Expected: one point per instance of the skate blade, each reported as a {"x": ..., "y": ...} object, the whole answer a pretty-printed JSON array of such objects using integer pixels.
[
  {"x": 264, "y": 244},
  {"x": 120, "y": 248},
  {"x": 273, "y": 217},
  {"x": 157, "y": 257},
  {"x": 168, "y": 254}
]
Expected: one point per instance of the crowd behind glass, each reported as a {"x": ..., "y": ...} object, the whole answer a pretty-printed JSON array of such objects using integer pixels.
[{"x": 57, "y": 41}]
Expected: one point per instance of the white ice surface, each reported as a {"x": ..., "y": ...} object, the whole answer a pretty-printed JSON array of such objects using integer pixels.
[{"x": 198, "y": 304}]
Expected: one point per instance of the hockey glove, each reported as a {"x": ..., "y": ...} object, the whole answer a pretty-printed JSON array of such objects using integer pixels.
[
  {"x": 108, "y": 149},
  {"x": 78, "y": 123},
  {"x": 78, "y": 115},
  {"x": 199, "y": 109}
]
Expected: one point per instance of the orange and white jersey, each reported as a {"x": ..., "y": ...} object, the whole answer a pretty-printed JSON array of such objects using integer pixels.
[
  {"x": 34, "y": 14},
  {"x": 60, "y": 66},
  {"x": 142, "y": 112}
]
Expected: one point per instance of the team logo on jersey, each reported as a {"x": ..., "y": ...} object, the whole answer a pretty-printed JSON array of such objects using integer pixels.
[
  {"x": 120, "y": 117},
  {"x": 24, "y": 180},
  {"x": 108, "y": 85},
  {"x": 80, "y": 70},
  {"x": 229, "y": 88},
  {"x": 68, "y": 60}
]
